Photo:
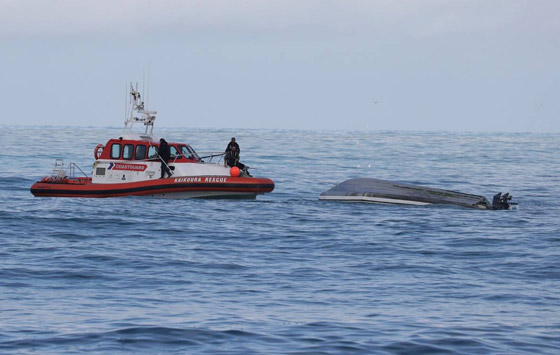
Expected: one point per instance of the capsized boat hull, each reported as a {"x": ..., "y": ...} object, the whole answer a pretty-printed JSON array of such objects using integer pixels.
[
  {"x": 174, "y": 187},
  {"x": 383, "y": 191}
]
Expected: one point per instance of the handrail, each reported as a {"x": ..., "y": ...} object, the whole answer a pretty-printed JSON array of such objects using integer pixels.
[
  {"x": 171, "y": 171},
  {"x": 212, "y": 155},
  {"x": 72, "y": 166},
  {"x": 59, "y": 172},
  {"x": 157, "y": 157}
]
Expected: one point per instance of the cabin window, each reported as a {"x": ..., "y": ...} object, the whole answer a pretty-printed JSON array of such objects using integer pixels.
[
  {"x": 127, "y": 151},
  {"x": 140, "y": 152},
  {"x": 186, "y": 152},
  {"x": 115, "y": 151},
  {"x": 174, "y": 153},
  {"x": 195, "y": 156},
  {"x": 152, "y": 152}
]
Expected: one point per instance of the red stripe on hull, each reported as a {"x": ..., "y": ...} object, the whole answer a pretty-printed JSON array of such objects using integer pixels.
[{"x": 212, "y": 184}]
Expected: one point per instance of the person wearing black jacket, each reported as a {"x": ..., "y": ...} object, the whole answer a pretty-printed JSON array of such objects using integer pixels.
[
  {"x": 232, "y": 159},
  {"x": 233, "y": 143},
  {"x": 164, "y": 155}
]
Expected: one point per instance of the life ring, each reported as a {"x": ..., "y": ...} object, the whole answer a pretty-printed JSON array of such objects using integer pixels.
[{"x": 96, "y": 152}]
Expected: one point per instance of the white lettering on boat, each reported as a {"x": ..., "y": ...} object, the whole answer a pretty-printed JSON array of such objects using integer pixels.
[
  {"x": 201, "y": 179},
  {"x": 188, "y": 179},
  {"x": 215, "y": 179},
  {"x": 132, "y": 167}
]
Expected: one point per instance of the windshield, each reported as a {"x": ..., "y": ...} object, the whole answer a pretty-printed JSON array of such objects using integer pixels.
[
  {"x": 174, "y": 152},
  {"x": 152, "y": 152},
  {"x": 189, "y": 153}
]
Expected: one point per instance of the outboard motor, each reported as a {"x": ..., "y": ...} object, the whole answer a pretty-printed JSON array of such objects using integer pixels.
[
  {"x": 497, "y": 201},
  {"x": 502, "y": 202}
]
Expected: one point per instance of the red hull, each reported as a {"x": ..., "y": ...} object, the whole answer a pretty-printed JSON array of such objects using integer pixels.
[{"x": 214, "y": 186}]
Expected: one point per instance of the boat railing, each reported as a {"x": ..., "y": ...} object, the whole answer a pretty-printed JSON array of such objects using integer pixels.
[
  {"x": 72, "y": 167},
  {"x": 212, "y": 157},
  {"x": 205, "y": 157},
  {"x": 60, "y": 172}
]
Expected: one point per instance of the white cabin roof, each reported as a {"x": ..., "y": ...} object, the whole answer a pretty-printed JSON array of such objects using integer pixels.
[{"x": 139, "y": 137}]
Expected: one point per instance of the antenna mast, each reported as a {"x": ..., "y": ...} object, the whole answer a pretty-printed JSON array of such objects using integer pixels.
[
  {"x": 137, "y": 107},
  {"x": 148, "y": 95}
]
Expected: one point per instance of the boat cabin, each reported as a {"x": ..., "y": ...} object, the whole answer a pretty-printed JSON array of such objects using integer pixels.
[
  {"x": 134, "y": 150},
  {"x": 130, "y": 166},
  {"x": 128, "y": 159}
]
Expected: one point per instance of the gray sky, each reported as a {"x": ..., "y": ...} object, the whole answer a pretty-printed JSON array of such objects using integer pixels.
[{"x": 478, "y": 65}]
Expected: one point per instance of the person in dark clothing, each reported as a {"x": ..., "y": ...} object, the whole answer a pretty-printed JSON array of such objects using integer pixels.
[
  {"x": 232, "y": 159},
  {"x": 164, "y": 154},
  {"x": 233, "y": 143}
]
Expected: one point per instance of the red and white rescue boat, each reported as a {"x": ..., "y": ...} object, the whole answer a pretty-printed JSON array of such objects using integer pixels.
[{"x": 130, "y": 166}]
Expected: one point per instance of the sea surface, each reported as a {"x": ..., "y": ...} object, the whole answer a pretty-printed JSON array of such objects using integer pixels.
[{"x": 286, "y": 273}]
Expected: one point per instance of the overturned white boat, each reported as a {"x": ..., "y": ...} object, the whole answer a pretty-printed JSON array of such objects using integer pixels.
[{"x": 389, "y": 192}]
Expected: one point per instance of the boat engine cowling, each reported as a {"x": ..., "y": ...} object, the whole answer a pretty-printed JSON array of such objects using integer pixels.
[{"x": 502, "y": 202}]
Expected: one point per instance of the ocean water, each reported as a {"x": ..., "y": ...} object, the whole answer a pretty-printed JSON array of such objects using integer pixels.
[{"x": 286, "y": 273}]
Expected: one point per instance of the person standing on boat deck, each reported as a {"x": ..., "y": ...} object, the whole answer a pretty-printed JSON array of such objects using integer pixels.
[{"x": 164, "y": 154}]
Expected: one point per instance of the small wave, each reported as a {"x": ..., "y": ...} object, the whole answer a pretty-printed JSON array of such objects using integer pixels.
[
  {"x": 137, "y": 339},
  {"x": 52, "y": 274}
]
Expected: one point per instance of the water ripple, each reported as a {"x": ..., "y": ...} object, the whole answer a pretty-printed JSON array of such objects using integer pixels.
[{"x": 286, "y": 273}]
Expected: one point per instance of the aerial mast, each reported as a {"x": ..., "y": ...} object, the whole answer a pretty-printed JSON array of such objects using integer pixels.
[{"x": 138, "y": 113}]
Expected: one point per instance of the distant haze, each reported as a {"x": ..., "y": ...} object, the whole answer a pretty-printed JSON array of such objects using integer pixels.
[{"x": 478, "y": 65}]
